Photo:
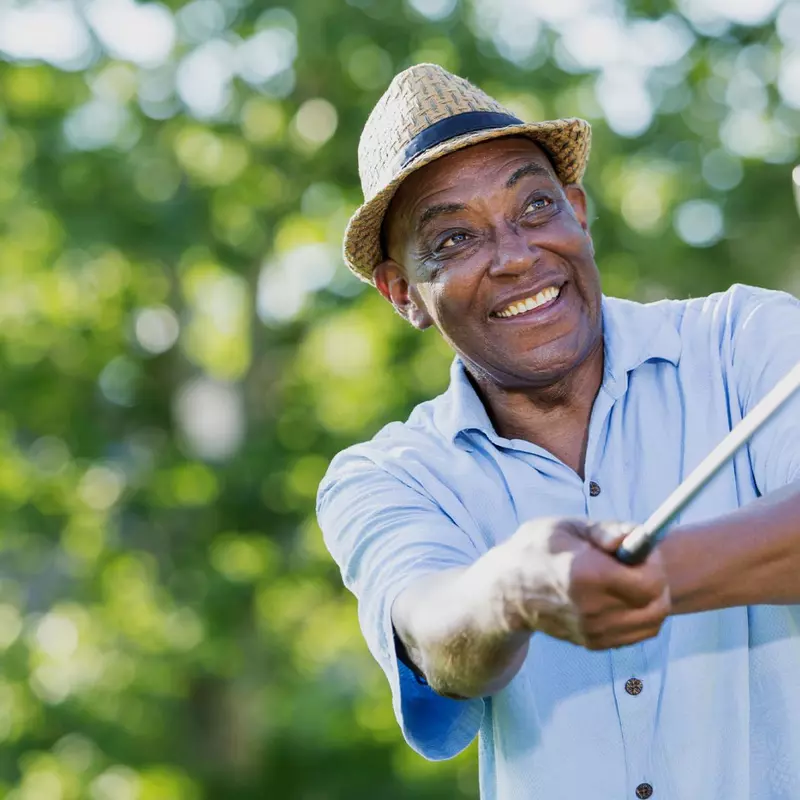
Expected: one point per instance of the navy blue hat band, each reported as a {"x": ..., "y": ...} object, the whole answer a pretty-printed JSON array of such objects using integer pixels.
[{"x": 449, "y": 128}]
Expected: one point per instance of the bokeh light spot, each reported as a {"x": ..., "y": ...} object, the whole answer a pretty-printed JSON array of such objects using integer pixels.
[
  {"x": 143, "y": 33},
  {"x": 434, "y": 9},
  {"x": 316, "y": 121},
  {"x": 116, "y": 783},
  {"x": 57, "y": 636},
  {"x": 48, "y": 30},
  {"x": 199, "y": 20},
  {"x": 721, "y": 170},
  {"x": 699, "y": 223},
  {"x": 203, "y": 79},
  {"x": 157, "y": 329},
  {"x": 263, "y": 121},
  {"x": 101, "y": 487},
  {"x": 369, "y": 66},
  {"x": 243, "y": 558},
  {"x": 118, "y": 381},
  {"x": 211, "y": 418}
]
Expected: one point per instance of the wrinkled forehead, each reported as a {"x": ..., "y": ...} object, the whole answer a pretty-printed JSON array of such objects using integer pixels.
[{"x": 456, "y": 173}]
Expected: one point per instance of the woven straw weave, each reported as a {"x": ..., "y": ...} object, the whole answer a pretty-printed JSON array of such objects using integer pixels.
[{"x": 416, "y": 99}]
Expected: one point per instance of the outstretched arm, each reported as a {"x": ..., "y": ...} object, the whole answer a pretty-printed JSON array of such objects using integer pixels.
[
  {"x": 467, "y": 629},
  {"x": 748, "y": 557},
  {"x": 449, "y": 637}
]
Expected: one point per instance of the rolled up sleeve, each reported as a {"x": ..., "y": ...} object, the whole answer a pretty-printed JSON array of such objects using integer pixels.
[
  {"x": 385, "y": 534},
  {"x": 765, "y": 347}
]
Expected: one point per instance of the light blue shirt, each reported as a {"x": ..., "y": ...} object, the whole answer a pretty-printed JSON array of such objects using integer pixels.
[{"x": 719, "y": 714}]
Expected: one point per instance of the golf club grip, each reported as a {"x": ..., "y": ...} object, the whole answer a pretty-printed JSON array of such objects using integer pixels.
[{"x": 635, "y": 553}]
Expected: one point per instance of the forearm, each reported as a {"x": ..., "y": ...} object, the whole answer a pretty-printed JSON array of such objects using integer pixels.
[
  {"x": 448, "y": 625},
  {"x": 748, "y": 557}
]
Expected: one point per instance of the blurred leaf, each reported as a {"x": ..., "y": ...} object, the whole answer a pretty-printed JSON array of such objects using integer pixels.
[{"x": 183, "y": 351}]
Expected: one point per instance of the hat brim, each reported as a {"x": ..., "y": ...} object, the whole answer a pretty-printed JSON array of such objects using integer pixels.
[{"x": 566, "y": 141}]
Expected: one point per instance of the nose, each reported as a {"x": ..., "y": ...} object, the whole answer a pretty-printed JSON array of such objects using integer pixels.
[{"x": 514, "y": 254}]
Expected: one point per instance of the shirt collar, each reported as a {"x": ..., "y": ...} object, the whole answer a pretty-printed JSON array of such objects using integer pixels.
[{"x": 633, "y": 334}]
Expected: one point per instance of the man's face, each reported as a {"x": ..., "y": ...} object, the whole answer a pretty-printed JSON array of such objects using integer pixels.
[{"x": 478, "y": 232}]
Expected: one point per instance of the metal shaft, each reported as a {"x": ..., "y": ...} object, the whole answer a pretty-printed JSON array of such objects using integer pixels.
[{"x": 796, "y": 186}]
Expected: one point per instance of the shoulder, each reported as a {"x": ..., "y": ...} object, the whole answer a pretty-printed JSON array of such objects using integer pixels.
[
  {"x": 722, "y": 314},
  {"x": 701, "y": 330},
  {"x": 396, "y": 452},
  {"x": 741, "y": 310}
]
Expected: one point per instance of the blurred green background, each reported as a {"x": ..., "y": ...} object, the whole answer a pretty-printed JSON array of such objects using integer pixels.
[{"x": 182, "y": 350}]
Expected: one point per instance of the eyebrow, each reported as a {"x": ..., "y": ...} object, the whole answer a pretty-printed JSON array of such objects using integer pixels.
[
  {"x": 441, "y": 209},
  {"x": 527, "y": 169},
  {"x": 431, "y": 212}
]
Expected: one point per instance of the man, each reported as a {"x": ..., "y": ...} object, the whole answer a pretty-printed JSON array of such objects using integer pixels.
[{"x": 479, "y": 535}]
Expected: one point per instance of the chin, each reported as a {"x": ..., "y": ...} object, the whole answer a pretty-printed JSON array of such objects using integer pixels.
[
  {"x": 541, "y": 375},
  {"x": 544, "y": 365},
  {"x": 535, "y": 352}
]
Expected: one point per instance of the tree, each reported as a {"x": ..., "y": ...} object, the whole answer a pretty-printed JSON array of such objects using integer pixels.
[{"x": 182, "y": 350}]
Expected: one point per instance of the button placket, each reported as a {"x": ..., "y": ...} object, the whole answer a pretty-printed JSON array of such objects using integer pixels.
[
  {"x": 599, "y": 418},
  {"x": 635, "y": 713},
  {"x": 636, "y": 708}
]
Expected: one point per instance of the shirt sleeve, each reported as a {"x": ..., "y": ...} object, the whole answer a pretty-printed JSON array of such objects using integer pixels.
[
  {"x": 384, "y": 534},
  {"x": 765, "y": 347}
]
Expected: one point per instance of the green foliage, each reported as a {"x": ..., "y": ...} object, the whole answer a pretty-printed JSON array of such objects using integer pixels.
[{"x": 182, "y": 352}]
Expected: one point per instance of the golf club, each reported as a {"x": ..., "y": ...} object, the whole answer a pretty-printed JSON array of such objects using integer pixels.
[
  {"x": 796, "y": 184},
  {"x": 637, "y": 545}
]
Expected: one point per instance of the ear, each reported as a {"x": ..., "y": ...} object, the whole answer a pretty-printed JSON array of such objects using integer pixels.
[
  {"x": 577, "y": 199},
  {"x": 391, "y": 282}
]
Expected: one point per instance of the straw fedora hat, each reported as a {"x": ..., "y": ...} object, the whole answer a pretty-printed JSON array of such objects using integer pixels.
[{"x": 427, "y": 113}]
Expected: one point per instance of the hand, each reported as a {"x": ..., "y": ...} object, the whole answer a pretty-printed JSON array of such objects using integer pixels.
[{"x": 560, "y": 576}]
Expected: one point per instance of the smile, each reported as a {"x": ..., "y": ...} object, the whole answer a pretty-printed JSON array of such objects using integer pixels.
[{"x": 530, "y": 303}]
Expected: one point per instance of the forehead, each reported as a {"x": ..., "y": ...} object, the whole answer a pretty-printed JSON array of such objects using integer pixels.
[{"x": 454, "y": 177}]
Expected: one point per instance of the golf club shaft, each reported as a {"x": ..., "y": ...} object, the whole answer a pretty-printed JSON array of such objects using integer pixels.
[
  {"x": 796, "y": 186},
  {"x": 638, "y": 544}
]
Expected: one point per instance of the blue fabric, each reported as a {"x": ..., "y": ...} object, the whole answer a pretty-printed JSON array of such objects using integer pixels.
[{"x": 718, "y": 715}]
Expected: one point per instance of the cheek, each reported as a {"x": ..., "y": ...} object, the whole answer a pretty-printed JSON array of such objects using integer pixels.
[
  {"x": 452, "y": 313},
  {"x": 571, "y": 238},
  {"x": 456, "y": 286},
  {"x": 447, "y": 305},
  {"x": 576, "y": 248}
]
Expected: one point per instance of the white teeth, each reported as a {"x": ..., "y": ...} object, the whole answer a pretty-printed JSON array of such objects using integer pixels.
[{"x": 529, "y": 303}]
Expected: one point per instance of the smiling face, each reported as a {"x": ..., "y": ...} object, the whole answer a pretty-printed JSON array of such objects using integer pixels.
[{"x": 487, "y": 245}]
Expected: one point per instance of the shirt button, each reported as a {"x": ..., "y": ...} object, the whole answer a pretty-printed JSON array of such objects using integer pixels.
[
  {"x": 644, "y": 790},
  {"x": 634, "y": 686},
  {"x": 594, "y": 489}
]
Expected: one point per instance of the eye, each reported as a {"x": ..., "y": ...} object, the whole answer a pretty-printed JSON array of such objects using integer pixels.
[
  {"x": 539, "y": 204},
  {"x": 452, "y": 241}
]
